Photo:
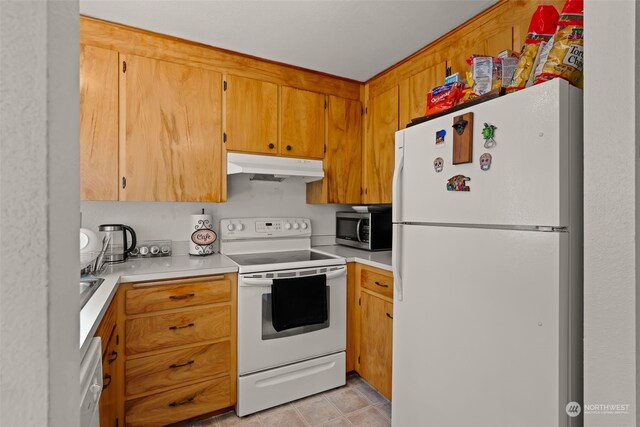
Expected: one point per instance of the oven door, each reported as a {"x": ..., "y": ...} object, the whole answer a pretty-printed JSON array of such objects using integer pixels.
[{"x": 261, "y": 347}]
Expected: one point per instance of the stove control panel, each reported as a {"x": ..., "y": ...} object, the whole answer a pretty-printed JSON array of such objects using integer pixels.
[{"x": 252, "y": 228}]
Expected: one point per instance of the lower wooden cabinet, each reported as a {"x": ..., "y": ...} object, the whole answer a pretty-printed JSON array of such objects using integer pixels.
[
  {"x": 111, "y": 384},
  {"x": 374, "y": 326},
  {"x": 179, "y": 349}
]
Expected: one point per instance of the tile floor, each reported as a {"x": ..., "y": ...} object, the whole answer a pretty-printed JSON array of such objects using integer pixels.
[{"x": 356, "y": 404}]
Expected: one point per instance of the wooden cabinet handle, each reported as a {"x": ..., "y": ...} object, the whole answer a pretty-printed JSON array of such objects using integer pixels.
[
  {"x": 288, "y": 148},
  {"x": 185, "y": 296},
  {"x": 184, "y": 402},
  {"x": 175, "y": 328},
  {"x": 190, "y": 362},
  {"x": 389, "y": 316},
  {"x": 106, "y": 380},
  {"x": 113, "y": 356},
  {"x": 382, "y": 285},
  {"x": 271, "y": 146}
]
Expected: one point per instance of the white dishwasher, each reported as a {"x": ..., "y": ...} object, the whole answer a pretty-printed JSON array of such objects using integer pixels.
[{"x": 91, "y": 384}]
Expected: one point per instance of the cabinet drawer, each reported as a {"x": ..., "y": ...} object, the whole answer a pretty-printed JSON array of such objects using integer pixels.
[
  {"x": 376, "y": 282},
  {"x": 165, "y": 297},
  {"x": 169, "y": 369},
  {"x": 179, "y": 404},
  {"x": 168, "y": 330}
]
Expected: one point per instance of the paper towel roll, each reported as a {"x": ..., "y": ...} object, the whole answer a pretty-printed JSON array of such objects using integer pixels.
[{"x": 202, "y": 235}]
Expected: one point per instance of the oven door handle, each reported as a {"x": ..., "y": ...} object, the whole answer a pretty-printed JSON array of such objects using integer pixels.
[{"x": 252, "y": 281}]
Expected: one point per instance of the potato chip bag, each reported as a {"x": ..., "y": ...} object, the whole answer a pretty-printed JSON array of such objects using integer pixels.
[
  {"x": 565, "y": 56},
  {"x": 541, "y": 29},
  {"x": 442, "y": 98}
]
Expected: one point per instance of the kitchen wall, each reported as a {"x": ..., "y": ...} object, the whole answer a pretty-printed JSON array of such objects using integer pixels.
[{"x": 166, "y": 220}]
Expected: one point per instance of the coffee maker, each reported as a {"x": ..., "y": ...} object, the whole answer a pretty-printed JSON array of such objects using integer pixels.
[{"x": 118, "y": 247}]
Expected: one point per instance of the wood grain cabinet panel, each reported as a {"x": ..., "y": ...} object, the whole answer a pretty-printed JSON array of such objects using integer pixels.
[
  {"x": 178, "y": 404},
  {"x": 110, "y": 389},
  {"x": 170, "y": 369},
  {"x": 351, "y": 313},
  {"x": 302, "y": 123},
  {"x": 156, "y": 298},
  {"x": 98, "y": 123},
  {"x": 414, "y": 90},
  {"x": 171, "y": 131},
  {"x": 174, "y": 329},
  {"x": 376, "y": 334},
  {"x": 251, "y": 118},
  {"x": 380, "y": 145},
  {"x": 377, "y": 281}
]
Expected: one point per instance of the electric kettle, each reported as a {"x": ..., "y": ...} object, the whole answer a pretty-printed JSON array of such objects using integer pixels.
[{"x": 118, "y": 247}]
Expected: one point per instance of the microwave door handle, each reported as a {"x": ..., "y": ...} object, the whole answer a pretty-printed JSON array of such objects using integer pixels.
[{"x": 358, "y": 230}]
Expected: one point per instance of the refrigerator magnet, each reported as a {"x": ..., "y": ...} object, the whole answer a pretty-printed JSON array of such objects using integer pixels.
[
  {"x": 438, "y": 164},
  {"x": 488, "y": 134},
  {"x": 440, "y": 136},
  {"x": 485, "y": 162},
  {"x": 458, "y": 183}
]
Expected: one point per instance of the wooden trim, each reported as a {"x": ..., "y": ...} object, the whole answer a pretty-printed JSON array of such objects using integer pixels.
[
  {"x": 195, "y": 279},
  {"x": 125, "y": 39}
]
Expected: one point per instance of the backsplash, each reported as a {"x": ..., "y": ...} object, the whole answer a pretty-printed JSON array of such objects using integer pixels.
[{"x": 170, "y": 220}]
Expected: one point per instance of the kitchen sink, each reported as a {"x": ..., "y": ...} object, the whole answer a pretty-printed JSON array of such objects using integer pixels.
[{"x": 88, "y": 286}]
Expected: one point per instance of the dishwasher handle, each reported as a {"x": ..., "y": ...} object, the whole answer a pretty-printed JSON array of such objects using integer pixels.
[{"x": 253, "y": 281}]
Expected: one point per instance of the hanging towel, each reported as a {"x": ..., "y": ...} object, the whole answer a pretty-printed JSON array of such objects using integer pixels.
[{"x": 298, "y": 301}]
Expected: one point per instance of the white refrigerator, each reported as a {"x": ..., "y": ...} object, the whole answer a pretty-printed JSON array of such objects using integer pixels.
[{"x": 487, "y": 325}]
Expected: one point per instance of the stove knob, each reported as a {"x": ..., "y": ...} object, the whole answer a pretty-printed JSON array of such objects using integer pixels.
[
  {"x": 304, "y": 225},
  {"x": 287, "y": 226},
  {"x": 231, "y": 227},
  {"x": 240, "y": 227},
  {"x": 296, "y": 226}
]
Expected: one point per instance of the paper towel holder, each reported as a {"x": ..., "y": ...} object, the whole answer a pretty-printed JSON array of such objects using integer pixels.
[{"x": 202, "y": 235}]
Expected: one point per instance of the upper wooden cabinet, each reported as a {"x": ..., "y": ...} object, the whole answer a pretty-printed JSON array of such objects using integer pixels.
[
  {"x": 489, "y": 41},
  {"x": 343, "y": 159},
  {"x": 302, "y": 123},
  {"x": 379, "y": 146},
  {"x": 251, "y": 119},
  {"x": 98, "y": 123},
  {"x": 413, "y": 92},
  {"x": 171, "y": 131}
]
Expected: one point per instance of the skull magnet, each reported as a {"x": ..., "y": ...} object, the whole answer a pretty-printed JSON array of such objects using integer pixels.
[
  {"x": 438, "y": 164},
  {"x": 485, "y": 162}
]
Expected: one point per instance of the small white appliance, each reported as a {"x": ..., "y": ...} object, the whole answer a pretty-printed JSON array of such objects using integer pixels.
[
  {"x": 277, "y": 365},
  {"x": 487, "y": 325},
  {"x": 272, "y": 168},
  {"x": 91, "y": 384}
]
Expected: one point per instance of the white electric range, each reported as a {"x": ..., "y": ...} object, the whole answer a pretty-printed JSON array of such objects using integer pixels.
[{"x": 275, "y": 367}]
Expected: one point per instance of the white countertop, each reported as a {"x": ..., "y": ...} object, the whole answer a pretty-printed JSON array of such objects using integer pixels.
[
  {"x": 139, "y": 270},
  {"x": 379, "y": 259}
]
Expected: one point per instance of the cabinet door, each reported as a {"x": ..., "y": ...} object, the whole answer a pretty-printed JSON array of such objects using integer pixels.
[
  {"x": 413, "y": 92},
  {"x": 98, "y": 123},
  {"x": 376, "y": 329},
  {"x": 489, "y": 42},
  {"x": 379, "y": 147},
  {"x": 251, "y": 120},
  {"x": 171, "y": 148},
  {"x": 109, "y": 398},
  {"x": 351, "y": 312},
  {"x": 302, "y": 123}
]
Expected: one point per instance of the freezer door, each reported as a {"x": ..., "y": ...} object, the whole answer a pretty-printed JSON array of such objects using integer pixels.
[
  {"x": 530, "y": 175},
  {"x": 481, "y": 336}
]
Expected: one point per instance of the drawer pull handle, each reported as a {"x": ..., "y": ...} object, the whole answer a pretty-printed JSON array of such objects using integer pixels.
[
  {"x": 389, "y": 316},
  {"x": 184, "y": 402},
  {"x": 190, "y": 362},
  {"x": 113, "y": 356},
  {"x": 106, "y": 380},
  {"x": 382, "y": 285},
  {"x": 185, "y": 296},
  {"x": 175, "y": 328}
]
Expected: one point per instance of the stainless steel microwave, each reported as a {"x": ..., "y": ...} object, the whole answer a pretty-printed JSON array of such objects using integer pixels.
[{"x": 365, "y": 230}]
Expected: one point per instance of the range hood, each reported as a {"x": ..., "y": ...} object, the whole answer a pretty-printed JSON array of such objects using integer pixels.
[{"x": 271, "y": 168}]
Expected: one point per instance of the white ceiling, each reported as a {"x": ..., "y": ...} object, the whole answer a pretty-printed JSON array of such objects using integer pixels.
[{"x": 356, "y": 39}]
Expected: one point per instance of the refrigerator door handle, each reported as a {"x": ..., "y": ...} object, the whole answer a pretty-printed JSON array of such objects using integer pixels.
[
  {"x": 397, "y": 174},
  {"x": 395, "y": 261}
]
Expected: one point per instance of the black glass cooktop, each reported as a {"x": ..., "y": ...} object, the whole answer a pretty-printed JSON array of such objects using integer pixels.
[{"x": 267, "y": 258}]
